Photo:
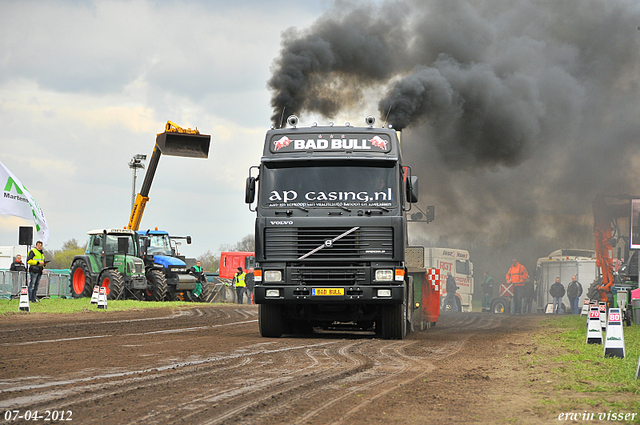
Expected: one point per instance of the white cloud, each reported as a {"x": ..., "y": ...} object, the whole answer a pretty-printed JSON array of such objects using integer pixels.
[{"x": 86, "y": 85}]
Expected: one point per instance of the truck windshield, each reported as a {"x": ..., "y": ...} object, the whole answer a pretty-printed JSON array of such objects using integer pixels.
[
  {"x": 329, "y": 185},
  {"x": 159, "y": 245}
]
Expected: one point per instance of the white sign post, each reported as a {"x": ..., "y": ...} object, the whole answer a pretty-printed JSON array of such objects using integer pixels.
[
  {"x": 614, "y": 339},
  {"x": 594, "y": 331}
]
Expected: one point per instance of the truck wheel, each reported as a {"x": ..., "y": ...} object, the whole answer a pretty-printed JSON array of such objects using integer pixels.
[
  {"x": 500, "y": 306},
  {"x": 80, "y": 280},
  {"x": 393, "y": 322},
  {"x": 113, "y": 281},
  {"x": 156, "y": 286},
  {"x": 270, "y": 320}
]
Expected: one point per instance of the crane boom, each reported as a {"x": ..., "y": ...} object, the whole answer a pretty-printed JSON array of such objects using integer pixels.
[{"x": 174, "y": 141}]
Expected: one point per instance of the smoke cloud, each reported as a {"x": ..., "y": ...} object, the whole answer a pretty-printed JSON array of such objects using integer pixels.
[{"x": 515, "y": 113}]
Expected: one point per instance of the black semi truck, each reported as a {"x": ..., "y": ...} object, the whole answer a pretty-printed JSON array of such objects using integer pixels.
[{"x": 331, "y": 230}]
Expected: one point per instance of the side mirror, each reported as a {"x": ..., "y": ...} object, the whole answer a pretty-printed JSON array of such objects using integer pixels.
[
  {"x": 412, "y": 189},
  {"x": 147, "y": 243},
  {"x": 96, "y": 241},
  {"x": 188, "y": 240},
  {"x": 250, "y": 190}
]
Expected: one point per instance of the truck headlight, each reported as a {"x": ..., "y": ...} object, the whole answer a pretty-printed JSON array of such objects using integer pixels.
[
  {"x": 384, "y": 292},
  {"x": 272, "y": 276},
  {"x": 273, "y": 293},
  {"x": 384, "y": 275}
]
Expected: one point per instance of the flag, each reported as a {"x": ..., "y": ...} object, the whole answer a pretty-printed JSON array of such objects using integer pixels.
[{"x": 16, "y": 200}]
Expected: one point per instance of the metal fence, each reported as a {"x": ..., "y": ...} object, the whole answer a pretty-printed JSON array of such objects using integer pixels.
[{"x": 55, "y": 285}]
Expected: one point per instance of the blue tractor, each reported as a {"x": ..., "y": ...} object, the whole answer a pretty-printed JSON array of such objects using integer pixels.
[{"x": 168, "y": 277}]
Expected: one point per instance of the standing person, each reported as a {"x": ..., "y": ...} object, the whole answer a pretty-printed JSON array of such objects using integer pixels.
[
  {"x": 450, "y": 298},
  {"x": 528, "y": 295},
  {"x": 557, "y": 292},
  {"x": 517, "y": 275},
  {"x": 249, "y": 280},
  {"x": 36, "y": 262},
  {"x": 240, "y": 284},
  {"x": 197, "y": 272},
  {"x": 574, "y": 290},
  {"x": 18, "y": 266},
  {"x": 487, "y": 291}
]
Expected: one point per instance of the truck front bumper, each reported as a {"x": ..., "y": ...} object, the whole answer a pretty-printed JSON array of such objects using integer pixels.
[{"x": 370, "y": 294}]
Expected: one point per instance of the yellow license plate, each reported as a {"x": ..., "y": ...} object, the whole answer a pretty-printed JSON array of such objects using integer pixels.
[{"x": 327, "y": 291}]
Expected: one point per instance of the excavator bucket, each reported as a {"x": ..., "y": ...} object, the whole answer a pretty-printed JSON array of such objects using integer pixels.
[{"x": 184, "y": 144}]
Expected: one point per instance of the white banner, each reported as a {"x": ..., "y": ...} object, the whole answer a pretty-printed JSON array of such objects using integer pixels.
[{"x": 16, "y": 200}]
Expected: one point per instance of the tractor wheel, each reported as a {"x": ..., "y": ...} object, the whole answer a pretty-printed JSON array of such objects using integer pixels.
[
  {"x": 156, "y": 286},
  {"x": 206, "y": 294},
  {"x": 80, "y": 280},
  {"x": 113, "y": 281}
]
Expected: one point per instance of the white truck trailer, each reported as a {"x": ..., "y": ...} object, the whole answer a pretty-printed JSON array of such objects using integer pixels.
[
  {"x": 564, "y": 263},
  {"x": 457, "y": 262}
]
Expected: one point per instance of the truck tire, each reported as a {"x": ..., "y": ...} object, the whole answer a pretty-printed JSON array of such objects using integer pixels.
[
  {"x": 270, "y": 320},
  {"x": 158, "y": 282},
  {"x": 113, "y": 281},
  {"x": 80, "y": 280},
  {"x": 500, "y": 306},
  {"x": 392, "y": 322}
]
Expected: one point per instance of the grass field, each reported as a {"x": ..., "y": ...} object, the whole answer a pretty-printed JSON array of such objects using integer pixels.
[
  {"x": 584, "y": 379},
  {"x": 61, "y": 305}
]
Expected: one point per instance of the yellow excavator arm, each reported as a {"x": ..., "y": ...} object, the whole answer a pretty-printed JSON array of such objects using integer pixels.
[{"x": 174, "y": 141}]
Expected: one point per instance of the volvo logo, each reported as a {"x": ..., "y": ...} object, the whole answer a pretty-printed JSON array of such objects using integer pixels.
[
  {"x": 328, "y": 243},
  {"x": 282, "y": 223}
]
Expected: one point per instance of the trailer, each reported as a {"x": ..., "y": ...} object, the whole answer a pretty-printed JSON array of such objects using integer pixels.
[{"x": 564, "y": 263}]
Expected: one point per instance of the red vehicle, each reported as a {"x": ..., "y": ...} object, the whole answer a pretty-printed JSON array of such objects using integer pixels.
[{"x": 230, "y": 261}]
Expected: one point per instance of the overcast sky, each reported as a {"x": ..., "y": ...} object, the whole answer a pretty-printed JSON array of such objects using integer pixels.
[{"x": 85, "y": 85}]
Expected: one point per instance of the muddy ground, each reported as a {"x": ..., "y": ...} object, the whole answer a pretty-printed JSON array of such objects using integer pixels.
[{"x": 209, "y": 365}]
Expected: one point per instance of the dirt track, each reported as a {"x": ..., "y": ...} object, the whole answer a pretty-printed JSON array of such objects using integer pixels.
[{"x": 208, "y": 365}]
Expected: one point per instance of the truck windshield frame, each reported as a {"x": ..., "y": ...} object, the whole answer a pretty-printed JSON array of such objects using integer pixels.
[{"x": 330, "y": 184}]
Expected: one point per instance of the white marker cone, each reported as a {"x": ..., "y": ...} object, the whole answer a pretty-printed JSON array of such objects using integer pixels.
[
  {"x": 585, "y": 307},
  {"x": 594, "y": 331},
  {"x": 24, "y": 299},
  {"x": 102, "y": 298},
  {"x": 603, "y": 314},
  {"x": 96, "y": 293},
  {"x": 614, "y": 339}
]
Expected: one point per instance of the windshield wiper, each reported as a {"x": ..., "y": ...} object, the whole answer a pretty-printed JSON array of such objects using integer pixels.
[
  {"x": 343, "y": 207},
  {"x": 289, "y": 212}
]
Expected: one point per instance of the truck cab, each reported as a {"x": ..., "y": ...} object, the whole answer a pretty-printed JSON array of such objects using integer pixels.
[{"x": 331, "y": 229}]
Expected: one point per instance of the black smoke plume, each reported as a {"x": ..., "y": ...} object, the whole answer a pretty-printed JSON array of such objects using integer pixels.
[{"x": 515, "y": 113}]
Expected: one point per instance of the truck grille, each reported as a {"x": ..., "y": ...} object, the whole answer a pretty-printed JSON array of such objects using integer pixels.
[
  {"x": 328, "y": 276},
  {"x": 291, "y": 243}
]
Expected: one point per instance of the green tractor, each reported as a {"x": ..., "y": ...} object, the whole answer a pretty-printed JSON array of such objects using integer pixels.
[{"x": 111, "y": 260}]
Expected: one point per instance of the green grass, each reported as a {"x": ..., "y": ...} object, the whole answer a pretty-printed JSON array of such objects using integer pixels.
[
  {"x": 582, "y": 375},
  {"x": 61, "y": 305}
]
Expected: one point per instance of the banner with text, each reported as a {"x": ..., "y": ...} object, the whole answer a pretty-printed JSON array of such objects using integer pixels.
[{"x": 16, "y": 200}]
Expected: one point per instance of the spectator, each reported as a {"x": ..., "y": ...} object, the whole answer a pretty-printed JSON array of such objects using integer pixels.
[
  {"x": 249, "y": 280},
  {"x": 574, "y": 290},
  {"x": 450, "y": 298},
  {"x": 200, "y": 278},
  {"x": 517, "y": 275},
  {"x": 36, "y": 262},
  {"x": 487, "y": 291},
  {"x": 557, "y": 292},
  {"x": 240, "y": 284},
  {"x": 528, "y": 295},
  {"x": 18, "y": 266}
]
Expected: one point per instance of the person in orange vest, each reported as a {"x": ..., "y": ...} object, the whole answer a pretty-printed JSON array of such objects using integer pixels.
[{"x": 517, "y": 275}]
